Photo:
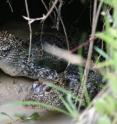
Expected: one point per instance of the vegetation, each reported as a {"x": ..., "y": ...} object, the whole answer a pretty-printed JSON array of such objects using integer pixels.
[{"x": 105, "y": 105}]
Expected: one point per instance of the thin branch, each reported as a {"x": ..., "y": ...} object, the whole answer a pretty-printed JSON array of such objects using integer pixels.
[
  {"x": 52, "y": 19},
  {"x": 41, "y": 34},
  {"x": 44, "y": 17},
  {"x": 96, "y": 12},
  {"x": 80, "y": 46},
  {"x": 30, "y": 29},
  {"x": 64, "y": 29},
  {"x": 59, "y": 14},
  {"x": 44, "y": 5},
  {"x": 10, "y": 5}
]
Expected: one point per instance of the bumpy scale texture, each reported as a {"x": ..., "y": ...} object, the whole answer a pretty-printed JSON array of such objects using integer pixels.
[
  {"x": 14, "y": 60},
  {"x": 14, "y": 57},
  {"x": 71, "y": 81}
]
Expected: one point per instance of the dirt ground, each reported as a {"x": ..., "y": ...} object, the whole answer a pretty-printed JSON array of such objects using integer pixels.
[{"x": 14, "y": 89}]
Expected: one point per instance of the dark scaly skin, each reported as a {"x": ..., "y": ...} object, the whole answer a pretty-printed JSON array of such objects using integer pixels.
[
  {"x": 14, "y": 61},
  {"x": 14, "y": 57},
  {"x": 71, "y": 81}
]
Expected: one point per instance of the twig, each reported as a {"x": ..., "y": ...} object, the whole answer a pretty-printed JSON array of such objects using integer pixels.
[
  {"x": 30, "y": 29},
  {"x": 41, "y": 35},
  {"x": 96, "y": 12},
  {"x": 10, "y": 5},
  {"x": 64, "y": 29},
  {"x": 31, "y": 20},
  {"x": 44, "y": 17},
  {"x": 44, "y": 5},
  {"x": 59, "y": 14},
  {"x": 80, "y": 46},
  {"x": 47, "y": 9}
]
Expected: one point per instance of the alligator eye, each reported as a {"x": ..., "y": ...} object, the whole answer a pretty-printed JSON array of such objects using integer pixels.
[{"x": 48, "y": 89}]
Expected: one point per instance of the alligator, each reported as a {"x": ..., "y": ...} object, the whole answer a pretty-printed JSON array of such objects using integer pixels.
[
  {"x": 40, "y": 66},
  {"x": 70, "y": 80},
  {"x": 15, "y": 61}
]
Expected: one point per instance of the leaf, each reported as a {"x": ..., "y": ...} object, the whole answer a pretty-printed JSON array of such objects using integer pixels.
[
  {"x": 107, "y": 38},
  {"x": 101, "y": 52},
  {"x": 41, "y": 105},
  {"x": 104, "y": 120},
  {"x": 34, "y": 116},
  {"x": 101, "y": 105},
  {"x": 103, "y": 64},
  {"x": 5, "y": 114}
]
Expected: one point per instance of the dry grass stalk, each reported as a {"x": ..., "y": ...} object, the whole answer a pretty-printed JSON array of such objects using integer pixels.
[{"x": 64, "y": 54}]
